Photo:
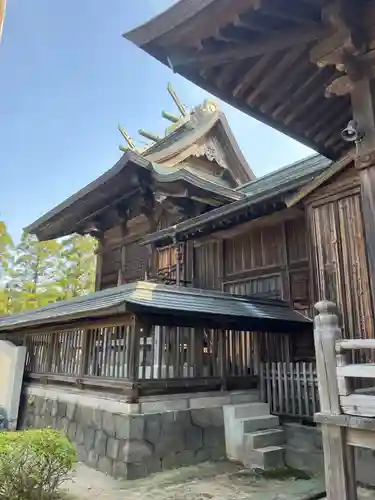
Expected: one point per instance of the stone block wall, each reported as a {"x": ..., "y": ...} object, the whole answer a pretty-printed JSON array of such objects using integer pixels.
[
  {"x": 132, "y": 445},
  {"x": 304, "y": 451}
]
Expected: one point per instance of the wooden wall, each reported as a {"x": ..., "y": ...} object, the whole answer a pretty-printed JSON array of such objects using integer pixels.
[
  {"x": 269, "y": 260},
  {"x": 338, "y": 253}
]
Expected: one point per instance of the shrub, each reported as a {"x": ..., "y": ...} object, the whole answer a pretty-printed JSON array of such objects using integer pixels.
[{"x": 33, "y": 464}]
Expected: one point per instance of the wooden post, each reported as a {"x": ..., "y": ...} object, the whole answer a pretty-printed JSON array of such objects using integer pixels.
[
  {"x": 362, "y": 105},
  {"x": 134, "y": 349},
  {"x": 338, "y": 456},
  {"x": 178, "y": 263}
]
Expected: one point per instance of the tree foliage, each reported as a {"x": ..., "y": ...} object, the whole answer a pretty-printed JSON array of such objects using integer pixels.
[{"x": 34, "y": 273}]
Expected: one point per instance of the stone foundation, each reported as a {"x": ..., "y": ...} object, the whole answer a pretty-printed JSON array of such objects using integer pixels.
[
  {"x": 116, "y": 438},
  {"x": 304, "y": 451}
]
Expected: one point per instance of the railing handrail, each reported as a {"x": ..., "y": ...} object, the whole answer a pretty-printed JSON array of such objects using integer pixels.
[{"x": 354, "y": 344}]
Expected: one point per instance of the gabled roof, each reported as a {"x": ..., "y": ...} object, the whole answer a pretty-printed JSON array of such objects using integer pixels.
[
  {"x": 259, "y": 57},
  {"x": 203, "y": 124},
  {"x": 180, "y": 304},
  {"x": 118, "y": 184},
  {"x": 276, "y": 185}
]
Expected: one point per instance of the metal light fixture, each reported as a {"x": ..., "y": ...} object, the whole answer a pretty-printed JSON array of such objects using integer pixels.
[{"x": 352, "y": 132}]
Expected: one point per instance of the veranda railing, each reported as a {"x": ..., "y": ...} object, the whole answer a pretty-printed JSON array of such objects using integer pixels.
[{"x": 291, "y": 389}]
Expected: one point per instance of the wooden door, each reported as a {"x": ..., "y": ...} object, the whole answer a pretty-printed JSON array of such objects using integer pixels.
[{"x": 339, "y": 261}]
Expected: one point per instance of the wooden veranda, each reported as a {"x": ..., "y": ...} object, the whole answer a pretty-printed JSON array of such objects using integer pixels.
[{"x": 143, "y": 338}]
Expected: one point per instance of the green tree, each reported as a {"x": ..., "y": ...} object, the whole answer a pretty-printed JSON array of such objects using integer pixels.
[
  {"x": 77, "y": 267},
  {"x": 6, "y": 246},
  {"x": 33, "y": 274}
]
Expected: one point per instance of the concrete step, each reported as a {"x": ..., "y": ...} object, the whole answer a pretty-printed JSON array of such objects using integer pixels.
[
  {"x": 270, "y": 457},
  {"x": 260, "y": 423},
  {"x": 239, "y": 397},
  {"x": 249, "y": 410},
  {"x": 262, "y": 439}
]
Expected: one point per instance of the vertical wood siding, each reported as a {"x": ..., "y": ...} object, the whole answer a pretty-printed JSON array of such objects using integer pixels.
[
  {"x": 339, "y": 260},
  {"x": 207, "y": 266}
]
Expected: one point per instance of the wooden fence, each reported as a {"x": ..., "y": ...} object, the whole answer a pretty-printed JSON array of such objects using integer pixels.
[{"x": 291, "y": 389}]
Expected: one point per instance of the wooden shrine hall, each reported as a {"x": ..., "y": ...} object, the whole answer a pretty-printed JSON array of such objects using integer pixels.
[
  {"x": 306, "y": 68},
  {"x": 206, "y": 275}
]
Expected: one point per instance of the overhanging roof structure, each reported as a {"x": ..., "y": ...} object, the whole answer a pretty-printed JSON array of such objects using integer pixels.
[
  {"x": 177, "y": 305},
  {"x": 272, "y": 190},
  {"x": 260, "y": 56},
  {"x": 130, "y": 175}
]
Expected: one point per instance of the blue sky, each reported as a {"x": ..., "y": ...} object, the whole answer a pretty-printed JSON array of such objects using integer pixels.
[{"x": 67, "y": 78}]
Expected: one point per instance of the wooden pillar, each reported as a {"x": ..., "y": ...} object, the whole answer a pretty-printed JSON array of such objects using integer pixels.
[
  {"x": 338, "y": 456},
  {"x": 362, "y": 104},
  {"x": 178, "y": 262},
  {"x": 99, "y": 263},
  {"x": 134, "y": 351}
]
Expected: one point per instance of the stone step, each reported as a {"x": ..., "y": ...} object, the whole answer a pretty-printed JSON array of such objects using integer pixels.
[
  {"x": 260, "y": 423},
  {"x": 249, "y": 396},
  {"x": 270, "y": 457},
  {"x": 262, "y": 439},
  {"x": 251, "y": 410}
]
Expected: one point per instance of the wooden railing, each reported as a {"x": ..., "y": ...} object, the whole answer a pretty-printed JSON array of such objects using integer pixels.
[
  {"x": 291, "y": 389},
  {"x": 345, "y": 410},
  {"x": 131, "y": 356}
]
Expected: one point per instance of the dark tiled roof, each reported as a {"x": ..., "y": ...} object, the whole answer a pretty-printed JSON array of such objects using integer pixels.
[
  {"x": 152, "y": 298},
  {"x": 282, "y": 181},
  {"x": 293, "y": 176}
]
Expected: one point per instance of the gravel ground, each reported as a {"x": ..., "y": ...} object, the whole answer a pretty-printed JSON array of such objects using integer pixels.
[{"x": 222, "y": 481}]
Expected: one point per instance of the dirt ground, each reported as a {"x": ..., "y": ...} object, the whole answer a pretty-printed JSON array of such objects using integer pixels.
[{"x": 204, "y": 482}]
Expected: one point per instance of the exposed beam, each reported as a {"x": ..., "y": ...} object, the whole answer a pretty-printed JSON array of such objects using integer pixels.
[
  {"x": 274, "y": 76},
  {"x": 227, "y": 73},
  {"x": 341, "y": 86},
  {"x": 281, "y": 91},
  {"x": 267, "y": 45},
  {"x": 296, "y": 14},
  {"x": 315, "y": 79},
  {"x": 317, "y": 93},
  {"x": 206, "y": 25},
  {"x": 326, "y": 114},
  {"x": 334, "y": 126},
  {"x": 251, "y": 75}
]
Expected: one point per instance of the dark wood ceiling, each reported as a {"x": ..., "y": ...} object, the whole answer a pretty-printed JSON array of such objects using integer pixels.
[{"x": 256, "y": 55}]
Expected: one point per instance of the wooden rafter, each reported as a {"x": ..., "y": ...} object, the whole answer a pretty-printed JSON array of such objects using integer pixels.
[
  {"x": 298, "y": 95},
  {"x": 251, "y": 75},
  {"x": 267, "y": 45},
  {"x": 289, "y": 58},
  {"x": 281, "y": 91}
]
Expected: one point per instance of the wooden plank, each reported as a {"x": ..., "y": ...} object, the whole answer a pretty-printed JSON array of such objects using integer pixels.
[
  {"x": 292, "y": 388},
  {"x": 349, "y": 421},
  {"x": 274, "y": 387},
  {"x": 306, "y": 389},
  {"x": 270, "y": 44},
  {"x": 280, "y": 387},
  {"x": 361, "y": 438},
  {"x": 358, "y": 404},
  {"x": 338, "y": 464},
  {"x": 365, "y": 370},
  {"x": 286, "y": 388}
]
